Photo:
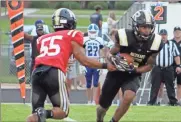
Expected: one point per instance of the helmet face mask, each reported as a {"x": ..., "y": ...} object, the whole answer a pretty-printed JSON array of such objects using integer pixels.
[
  {"x": 63, "y": 19},
  {"x": 143, "y": 19},
  {"x": 93, "y": 31}
]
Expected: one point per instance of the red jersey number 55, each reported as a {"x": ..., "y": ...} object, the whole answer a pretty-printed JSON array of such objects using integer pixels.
[{"x": 52, "y": 49}]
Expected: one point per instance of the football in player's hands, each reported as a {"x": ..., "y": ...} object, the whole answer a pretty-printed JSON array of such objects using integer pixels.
[
  {"x": 128, "y": 58},
  {"x": 123, "y": 61}
]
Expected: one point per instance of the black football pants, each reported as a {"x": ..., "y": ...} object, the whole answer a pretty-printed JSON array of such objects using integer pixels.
[{"x": 162, "y": 74}]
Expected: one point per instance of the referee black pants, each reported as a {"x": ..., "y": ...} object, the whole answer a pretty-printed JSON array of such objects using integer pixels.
[{"x": 162, "y": 74}]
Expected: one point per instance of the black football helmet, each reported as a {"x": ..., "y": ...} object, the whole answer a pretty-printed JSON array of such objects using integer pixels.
[
  {"x": 143, "y": 18},
  {"x": 63, "y": 19}
]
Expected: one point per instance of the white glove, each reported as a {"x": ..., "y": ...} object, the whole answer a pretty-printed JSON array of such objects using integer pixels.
[
  {"x": 82, "y": 69},
  {"x": 100, "y": 71}
]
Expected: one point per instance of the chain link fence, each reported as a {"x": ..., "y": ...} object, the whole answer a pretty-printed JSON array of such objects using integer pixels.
[{"x": 7, "y": 63}]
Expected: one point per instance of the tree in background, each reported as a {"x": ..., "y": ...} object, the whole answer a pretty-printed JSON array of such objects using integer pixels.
[{"x": 111, "y": 5}]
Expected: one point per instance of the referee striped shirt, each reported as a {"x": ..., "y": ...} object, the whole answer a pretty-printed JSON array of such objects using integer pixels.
[{"x": 165, "y": 58}]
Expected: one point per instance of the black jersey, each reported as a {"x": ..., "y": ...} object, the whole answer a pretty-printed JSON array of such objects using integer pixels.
[{"x": 139, "y": 50}]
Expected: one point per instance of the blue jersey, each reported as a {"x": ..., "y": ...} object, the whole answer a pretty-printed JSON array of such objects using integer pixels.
[{"x": 93, "y": 47}]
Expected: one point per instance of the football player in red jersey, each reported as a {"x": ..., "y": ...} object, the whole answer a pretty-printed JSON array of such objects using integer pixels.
[{"x": 48, "y": 77}]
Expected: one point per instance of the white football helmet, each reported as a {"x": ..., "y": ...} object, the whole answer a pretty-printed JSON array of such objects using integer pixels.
[{"x": 93, "y": 31}]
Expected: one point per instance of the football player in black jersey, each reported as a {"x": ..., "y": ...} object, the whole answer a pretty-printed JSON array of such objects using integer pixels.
[{"x": 143, "y": 45}]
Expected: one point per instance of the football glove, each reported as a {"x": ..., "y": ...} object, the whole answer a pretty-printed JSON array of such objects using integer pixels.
[
  {"x": 83, "y": 70},
  {"x": 100, "y": 71},
  {"x": 121, "y": 64}
]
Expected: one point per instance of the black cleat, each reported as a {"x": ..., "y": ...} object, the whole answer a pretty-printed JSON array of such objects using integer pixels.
[{"x": 41, "y": 113}]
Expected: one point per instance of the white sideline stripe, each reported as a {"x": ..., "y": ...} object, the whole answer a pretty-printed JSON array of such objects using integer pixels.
[
  {"x": 68, "y": 119},
  {"x": 28, "y": 104}
]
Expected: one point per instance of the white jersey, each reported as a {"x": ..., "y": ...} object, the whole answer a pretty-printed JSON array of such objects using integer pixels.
[{"x": 93, "y": 47}]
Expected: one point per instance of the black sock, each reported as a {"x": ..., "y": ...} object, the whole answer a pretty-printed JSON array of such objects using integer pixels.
[
  {"x": 112, "y": 120},
  {"x": 49, "y": 114}
]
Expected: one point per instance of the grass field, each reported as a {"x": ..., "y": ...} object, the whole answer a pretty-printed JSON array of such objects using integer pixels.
[
  {"x": 80, "y": 113},
  {"x": 5, "y": 77},
  {"x": 79, "y": 12}
]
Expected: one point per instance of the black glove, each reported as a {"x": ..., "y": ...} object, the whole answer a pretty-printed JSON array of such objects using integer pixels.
[{"x": 121, "y": 63}]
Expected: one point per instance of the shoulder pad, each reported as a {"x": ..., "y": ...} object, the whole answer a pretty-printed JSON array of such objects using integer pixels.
[
  {"x": 73, "y": 32},
  {"x": 123, "y": 41},
  {"x": 156, "y": 42}
]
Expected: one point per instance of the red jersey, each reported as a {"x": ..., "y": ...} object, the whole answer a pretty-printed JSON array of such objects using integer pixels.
[{"x": 56, "y": 48}]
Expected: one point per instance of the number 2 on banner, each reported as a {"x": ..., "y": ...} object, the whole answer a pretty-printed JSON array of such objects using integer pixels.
[
  {"x": 160, "y": 12},
  {"x": 45, "y": 50}
]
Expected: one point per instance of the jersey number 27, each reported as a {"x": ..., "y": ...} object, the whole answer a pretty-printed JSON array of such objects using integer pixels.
[
  {"x": 52, "y": 49},
  {"x": 92, "y": 51}
]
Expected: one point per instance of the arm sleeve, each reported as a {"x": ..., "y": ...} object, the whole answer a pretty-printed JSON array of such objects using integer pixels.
[{"x": 101, "y": 46}]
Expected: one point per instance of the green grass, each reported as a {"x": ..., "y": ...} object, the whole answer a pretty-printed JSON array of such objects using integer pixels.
[
  {"x": 5, "y": 77},
  {"x": 9, "y": 79},
  {"x": 18, "y": 112},
  {"x": 79, "y": 12},
  {"x": 4, "y": 25}
]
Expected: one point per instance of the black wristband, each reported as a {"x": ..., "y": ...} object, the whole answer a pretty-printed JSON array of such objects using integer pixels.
[
  {"x": 178, "y": 65},
  {"x": 104, "y": 65}
]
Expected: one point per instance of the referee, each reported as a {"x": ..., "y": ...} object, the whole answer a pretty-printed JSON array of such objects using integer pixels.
[
  {"x": 164, "y": 70},
  {"x": 177, "y": 40}
]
